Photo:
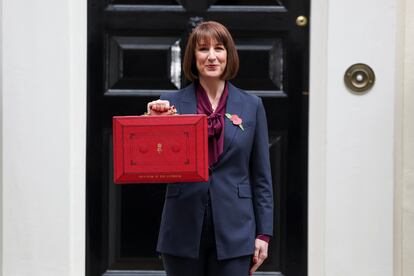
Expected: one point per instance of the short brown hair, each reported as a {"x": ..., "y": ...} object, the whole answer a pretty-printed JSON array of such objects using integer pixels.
[{"x": 206, "y": 31}]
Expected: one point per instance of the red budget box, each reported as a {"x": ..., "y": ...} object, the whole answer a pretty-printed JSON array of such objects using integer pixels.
[{"x": 160, "y": 149}]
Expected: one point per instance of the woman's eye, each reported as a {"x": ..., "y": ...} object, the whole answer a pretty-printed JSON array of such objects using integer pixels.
[{"x": 202, "y": 49}]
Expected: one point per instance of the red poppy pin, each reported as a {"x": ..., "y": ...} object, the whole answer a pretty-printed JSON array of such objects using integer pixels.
[{"x": 236, "y": 120}]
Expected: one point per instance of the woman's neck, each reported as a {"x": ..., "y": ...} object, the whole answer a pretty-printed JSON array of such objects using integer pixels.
[{"x": 213, "y": 88}]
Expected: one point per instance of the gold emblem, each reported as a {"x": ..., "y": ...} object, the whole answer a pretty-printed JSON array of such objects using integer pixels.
[{"x": 159, "y": 148}]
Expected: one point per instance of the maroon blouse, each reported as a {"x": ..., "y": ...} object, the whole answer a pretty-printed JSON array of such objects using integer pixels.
[{"x": 215, "y": 122}]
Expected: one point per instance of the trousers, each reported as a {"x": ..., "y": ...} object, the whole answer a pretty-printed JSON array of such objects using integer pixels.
[{"x": 207, "y": 263}]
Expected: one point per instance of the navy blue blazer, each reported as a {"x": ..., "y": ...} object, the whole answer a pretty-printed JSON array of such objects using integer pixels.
[{"x": 240, "y": 185}]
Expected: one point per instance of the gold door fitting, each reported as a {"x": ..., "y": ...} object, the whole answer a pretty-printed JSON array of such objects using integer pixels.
[
  {"x": 359, "y": 78},
  {"x": 302, "y": 21}
]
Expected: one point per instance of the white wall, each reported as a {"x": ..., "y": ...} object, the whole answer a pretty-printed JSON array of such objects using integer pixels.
[
  {"x": 1, "y": 135},
  {"x": 351, "y": 171},
  {"x": 407, "y": 149},
  {"x": 43, "y": 52}
]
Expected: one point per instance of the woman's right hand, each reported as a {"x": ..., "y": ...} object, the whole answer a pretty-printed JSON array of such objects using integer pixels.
[{"x": 160, "y": 107}]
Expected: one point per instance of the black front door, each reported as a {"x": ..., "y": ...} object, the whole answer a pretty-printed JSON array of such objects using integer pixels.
[{"x": 135, "y": 49}]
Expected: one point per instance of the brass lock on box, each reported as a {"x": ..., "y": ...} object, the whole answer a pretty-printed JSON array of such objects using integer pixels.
[{"x": 359, "y": 78}]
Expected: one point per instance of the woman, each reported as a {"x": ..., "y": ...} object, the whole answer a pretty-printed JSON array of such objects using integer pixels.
[{"x": 220, "y": 227}]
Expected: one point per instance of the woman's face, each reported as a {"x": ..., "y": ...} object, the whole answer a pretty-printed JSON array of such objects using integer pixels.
[{"x": 211, "y": 59}]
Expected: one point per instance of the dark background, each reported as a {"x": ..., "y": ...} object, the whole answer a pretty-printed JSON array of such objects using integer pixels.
[{"x": 135, "y": 50}]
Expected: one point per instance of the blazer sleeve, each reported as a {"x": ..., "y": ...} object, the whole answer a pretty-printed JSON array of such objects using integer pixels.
[
  {"x": 260, "y": 176},
  {"x": 164, "y": 97},
  {"x": 171, "y": 97}
]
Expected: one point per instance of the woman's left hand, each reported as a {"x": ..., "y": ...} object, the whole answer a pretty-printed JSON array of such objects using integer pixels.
[{"x": 260, "y": 254}]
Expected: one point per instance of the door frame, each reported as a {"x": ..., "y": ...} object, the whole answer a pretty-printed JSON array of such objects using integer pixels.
[{"x": 364, "y": 244}]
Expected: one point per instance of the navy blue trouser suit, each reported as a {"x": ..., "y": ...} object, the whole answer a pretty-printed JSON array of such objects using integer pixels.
[
  {"x": 207, "y": 263},
  {"x": 218, "y": 220}
]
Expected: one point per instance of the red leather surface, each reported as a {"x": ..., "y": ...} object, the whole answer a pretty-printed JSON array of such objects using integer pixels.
[{"x": 160, "y": 149}]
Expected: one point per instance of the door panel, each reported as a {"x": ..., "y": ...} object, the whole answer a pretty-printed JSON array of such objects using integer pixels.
[
  {"x": 142, "y": 64},
  {"x": 135, "y": 50}
]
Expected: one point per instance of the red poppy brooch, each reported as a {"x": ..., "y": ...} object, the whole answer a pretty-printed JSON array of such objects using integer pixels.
[{"x": 236, "y": 120}]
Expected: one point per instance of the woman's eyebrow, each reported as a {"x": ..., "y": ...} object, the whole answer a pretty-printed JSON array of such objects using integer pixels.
[{"x": 204, "y": 44}]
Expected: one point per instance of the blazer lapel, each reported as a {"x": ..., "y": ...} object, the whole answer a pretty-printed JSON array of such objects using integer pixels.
[
  {"x": 234, "y": 107},
  {"x": 188, "y": 102},
  {"x": 188, "y": 105}
]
